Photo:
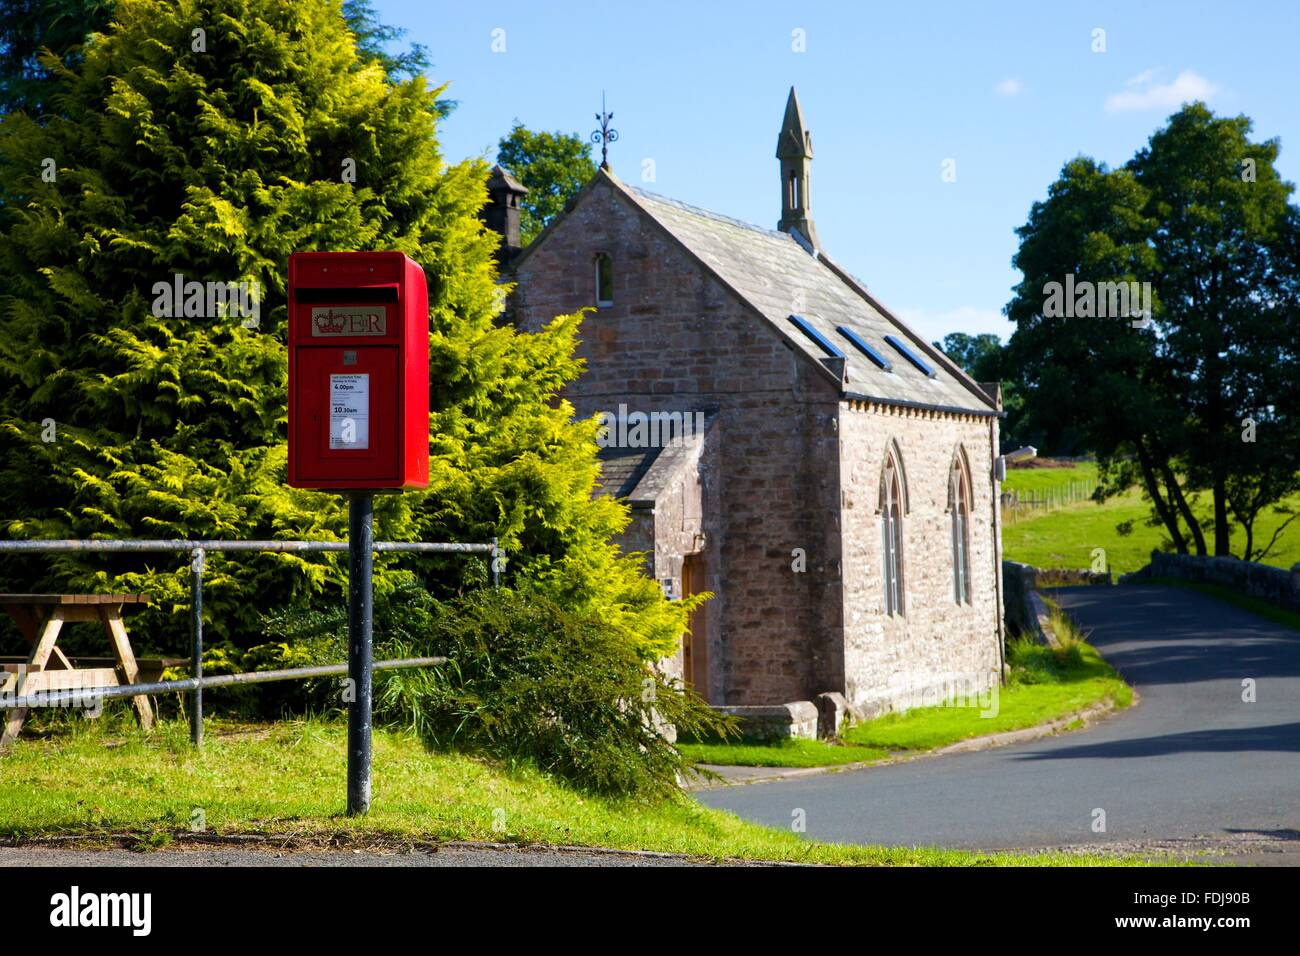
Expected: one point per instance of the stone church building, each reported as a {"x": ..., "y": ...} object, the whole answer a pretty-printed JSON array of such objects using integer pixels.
[{"x": 783, "y": 440}]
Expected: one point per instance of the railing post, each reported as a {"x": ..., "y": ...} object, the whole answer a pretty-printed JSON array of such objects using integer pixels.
[
  {"x": 360, "y": 651},
  {"x": 496, "y": 564},
  {"x": 196, "y": 628}
]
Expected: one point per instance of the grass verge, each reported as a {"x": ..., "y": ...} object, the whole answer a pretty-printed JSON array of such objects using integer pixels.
[
  {"x": 1045, "y": 684},
  {"x": 288, "y": 779},
  {"x": 785, "y": 753}
]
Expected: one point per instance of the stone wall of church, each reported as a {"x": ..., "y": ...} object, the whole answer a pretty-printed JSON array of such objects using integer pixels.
[
  {"x": 676, "y": 339},
  {"x": 657, "y": 532},
  {"x": 937, "y": 648},
  {"x": 672, "y": 527}
]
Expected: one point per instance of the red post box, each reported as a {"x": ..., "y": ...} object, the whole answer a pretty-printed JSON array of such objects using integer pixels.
[{"x": 358, "y": 371}]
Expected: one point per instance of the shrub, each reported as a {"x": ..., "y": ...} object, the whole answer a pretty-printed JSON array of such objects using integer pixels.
[
  {"x": 1034, "y": 663},
  {"x": 528, "y": 680}
]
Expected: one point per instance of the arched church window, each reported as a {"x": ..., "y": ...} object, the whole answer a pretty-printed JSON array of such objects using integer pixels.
[
  {"x": 891, "y": 533},
  {"x": 959, "y": 508}
]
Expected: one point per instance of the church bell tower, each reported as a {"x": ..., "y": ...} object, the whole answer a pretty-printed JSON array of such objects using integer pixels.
[{"x": 794, "y": 150}]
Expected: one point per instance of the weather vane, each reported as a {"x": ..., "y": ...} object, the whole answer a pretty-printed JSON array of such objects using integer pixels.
[{"x": 604, "y": 135}]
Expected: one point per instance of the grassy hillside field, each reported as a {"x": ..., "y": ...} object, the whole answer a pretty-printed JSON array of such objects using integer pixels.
[
  {"x": 1037, "y": 480},
  {"x": 1066, "y": 537}
]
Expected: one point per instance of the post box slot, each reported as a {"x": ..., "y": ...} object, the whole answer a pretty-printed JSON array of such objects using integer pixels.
[
  {"x": 317, "y": 269},
  {"x": 383, "y": 293}
]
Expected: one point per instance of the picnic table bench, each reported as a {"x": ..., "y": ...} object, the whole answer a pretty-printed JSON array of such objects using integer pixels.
[{"x": 40, "y": 619}]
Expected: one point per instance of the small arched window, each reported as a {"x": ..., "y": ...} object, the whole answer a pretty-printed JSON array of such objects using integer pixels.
[
  {"x": 959, "y": 508},
  {"x": 604, "y": 280},
  {"x": 891, "y": 534}
]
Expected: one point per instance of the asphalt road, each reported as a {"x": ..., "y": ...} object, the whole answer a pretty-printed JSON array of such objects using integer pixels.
[{"x": 1192, "y": 762}]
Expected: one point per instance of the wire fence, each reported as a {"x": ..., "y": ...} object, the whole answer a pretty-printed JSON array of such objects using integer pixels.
[{"x": 1017, "y": 505}]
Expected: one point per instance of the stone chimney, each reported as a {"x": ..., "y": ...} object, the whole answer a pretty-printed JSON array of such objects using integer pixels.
[
  {"x": 501, "y": 214},
  {"x": 794, "y": 150}
]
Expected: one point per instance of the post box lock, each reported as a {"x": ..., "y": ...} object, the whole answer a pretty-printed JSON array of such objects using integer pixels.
[{"x": 358, "y": 371}]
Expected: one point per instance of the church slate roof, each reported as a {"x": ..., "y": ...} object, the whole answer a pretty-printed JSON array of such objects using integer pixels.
[
  {"x": 641, "y": 475},
  {"x": 622, "y": 468},
  {"x": 779, "y": 276}
]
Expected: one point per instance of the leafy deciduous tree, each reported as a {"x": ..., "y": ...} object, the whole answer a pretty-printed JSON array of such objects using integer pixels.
[
  {"x": 1220, "y": 211},
  {"x": 1202, "y": 215},
  {"x": 984, "y": 358},
  {"x": 552, "y": 166}
]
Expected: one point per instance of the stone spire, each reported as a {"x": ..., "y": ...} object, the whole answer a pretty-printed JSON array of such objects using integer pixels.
[{"x": 794, "y": 150}]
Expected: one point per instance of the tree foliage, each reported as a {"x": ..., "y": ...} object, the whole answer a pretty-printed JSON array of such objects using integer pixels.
[
  {"x": 375, "y": 40},
  {"x": 1166, "y": 401},
  {"x": 984, "y": 358},
  {"x": 217, "y": 164},
  {"x": 1228, "y": 332},
  {"x": 977, "y": 355},
  {"x": 552, "y": 166},
  {"x": 30, "y": 27}
]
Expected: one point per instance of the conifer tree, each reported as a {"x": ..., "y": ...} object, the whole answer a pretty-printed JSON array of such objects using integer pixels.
[{"x": 210, "y": 139}]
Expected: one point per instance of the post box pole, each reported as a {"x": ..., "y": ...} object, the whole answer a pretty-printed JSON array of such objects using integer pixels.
[
  {"x": 360, "y": 633},
  {"x": 196, "y": 628}
]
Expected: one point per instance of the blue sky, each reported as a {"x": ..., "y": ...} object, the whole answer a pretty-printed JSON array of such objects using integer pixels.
[{"x": 1010, "y": 91}]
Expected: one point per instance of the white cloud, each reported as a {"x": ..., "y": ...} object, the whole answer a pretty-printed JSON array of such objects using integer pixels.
[
  {"x": 1143, "y": 78},
  {"x": 1187, "y": 85},
  {"x": 1010, "y": 86},
  {"x": 971, "y": 319}
]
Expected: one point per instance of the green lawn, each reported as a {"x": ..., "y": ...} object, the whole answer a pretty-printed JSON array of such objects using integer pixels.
[
  {"x": 1045, "y": 685},
  {"x": 1065, "y": 538},
  {"x": 101, "y": 777}
]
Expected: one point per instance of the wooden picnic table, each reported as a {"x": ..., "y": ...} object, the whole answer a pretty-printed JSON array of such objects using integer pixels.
[{"x": 40, "y": 618}]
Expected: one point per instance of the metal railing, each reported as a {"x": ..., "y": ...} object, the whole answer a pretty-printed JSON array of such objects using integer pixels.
[
  {"x": 198, "y": 550},
  {"x": 82, "y": 696}
]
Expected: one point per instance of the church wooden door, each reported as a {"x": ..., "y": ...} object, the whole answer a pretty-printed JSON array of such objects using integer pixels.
[{"x": 695, "y": 661}]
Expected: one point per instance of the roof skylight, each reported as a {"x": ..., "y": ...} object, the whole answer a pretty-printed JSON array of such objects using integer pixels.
[
  {"x": 807, "y": 329},
  {"x": 908, "y": 354},
  {"x": 861, "y": 345}
]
